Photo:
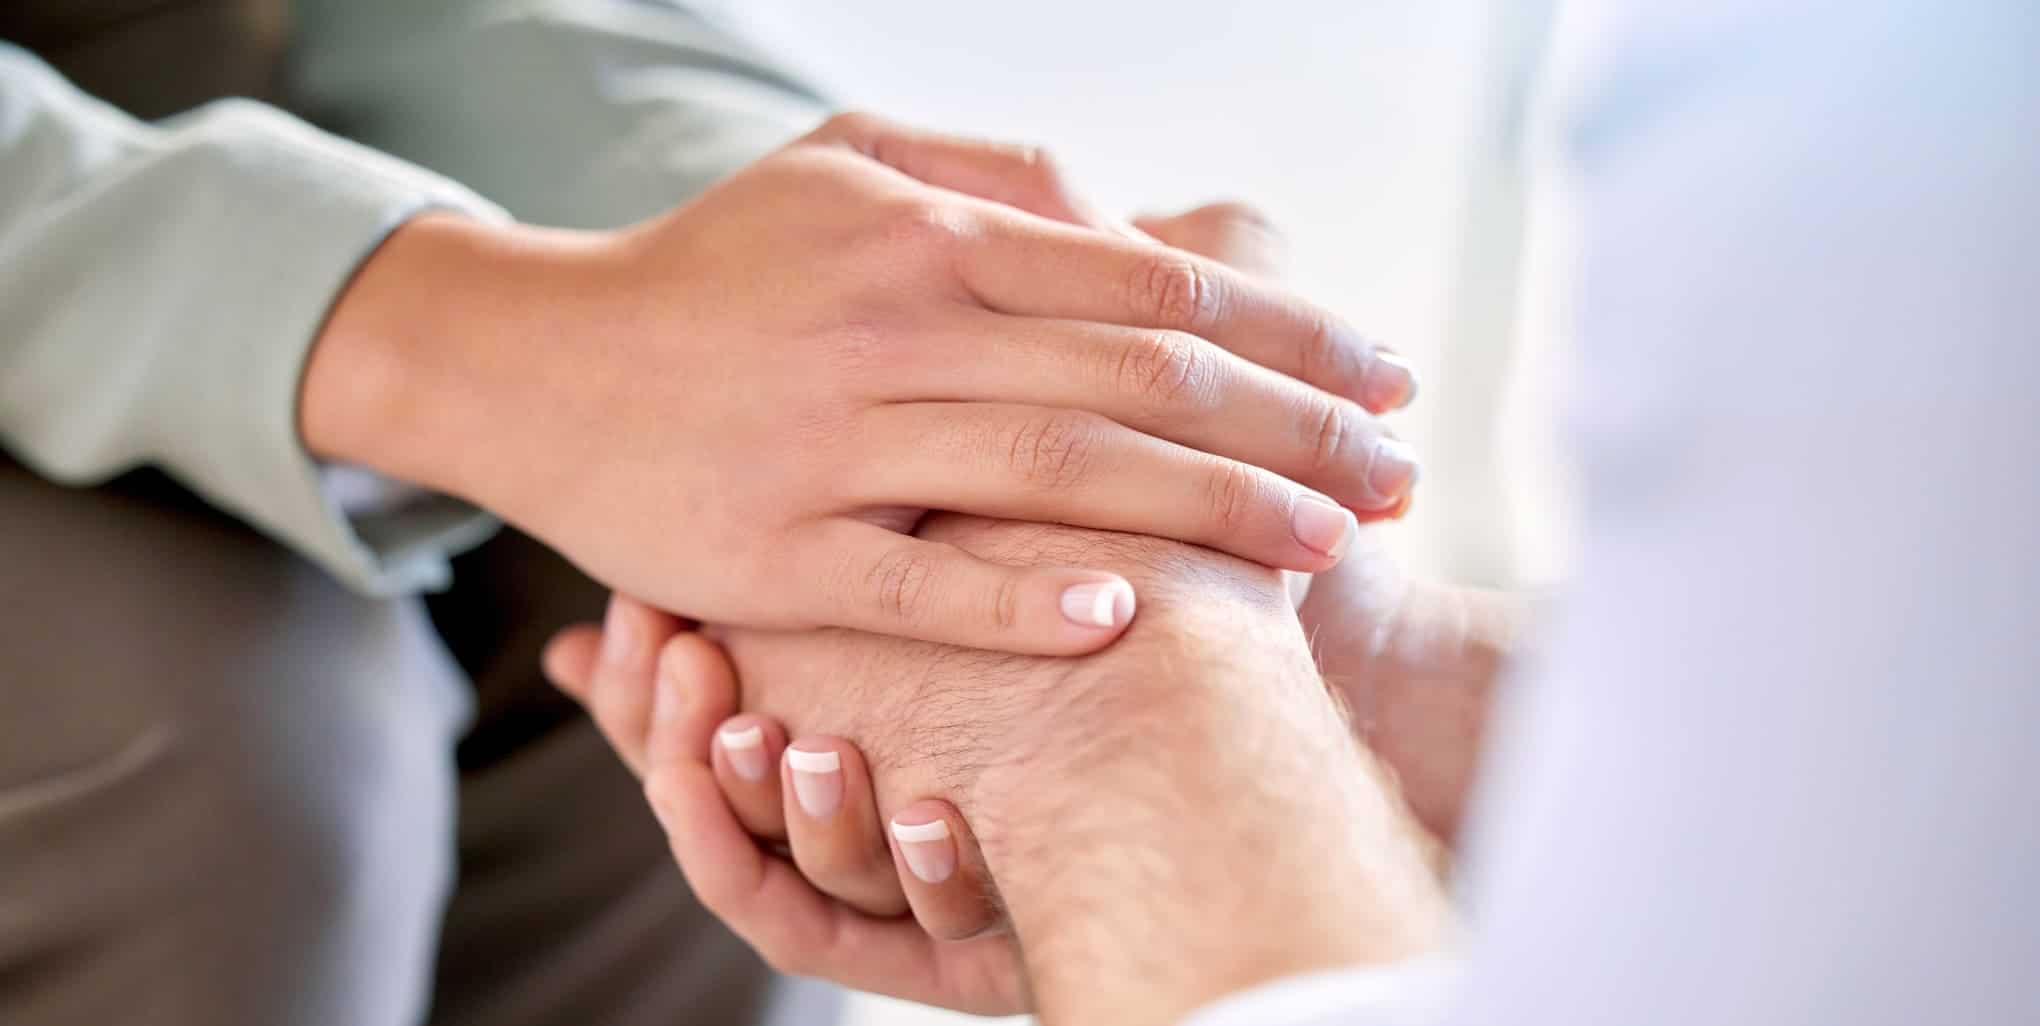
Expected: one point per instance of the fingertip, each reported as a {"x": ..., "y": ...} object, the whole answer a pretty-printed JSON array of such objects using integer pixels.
[
  {"x": 1059, "y": 613},
  {"x": 568, "y": 659},
  {"x": 749, "y": 745},
  {"x": 925, "y": 841},
  {"x": 744, "y": 754},
  {"x": 816, "y": 776},
  {"x": 1102, "y": 602},
  {"x": 941, "y": 870},
  {"x": 1389, "y": 383},
  {"x": 694, "y": 690}
]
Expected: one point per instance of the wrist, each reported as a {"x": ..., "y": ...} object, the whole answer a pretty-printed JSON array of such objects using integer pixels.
[
  {"x": 416, "y": 367},
  {"x": 1228, "y": 832}
]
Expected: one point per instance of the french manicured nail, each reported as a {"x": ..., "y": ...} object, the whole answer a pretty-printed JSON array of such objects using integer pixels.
[
  {"x": 1322, "y": 526},
  {"x": 1391, "y": 382},
  {"x": 1392, "y": 471},
  {"x": 746, "y": 749},
  {"x": 930, "y": 854},
  {"x": 1098, "y": 603},
  {"x": 817, "y": 781}
]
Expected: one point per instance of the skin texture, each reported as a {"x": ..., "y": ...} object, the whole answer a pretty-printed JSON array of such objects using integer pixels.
[
  {"x": 1208, "y": 726},
  {"x": 1417, "y": 662},
  {"x": 894, "y": 346}
]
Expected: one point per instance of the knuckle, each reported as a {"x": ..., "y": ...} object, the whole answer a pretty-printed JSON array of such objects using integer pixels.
[
  {"x": 1230, "y": 495},
  {"x": 1324, "y": 357},
  {"x": 1053, "y": 451},
  {"x": 1174, "y": 292},
  {"x": 1006, "y": 603},
  {"x": 850, "y": 125},
  {"x": 1166, "y": 369},
  {"x": 1329, "y": 436},
  {"x": 916, "y": 229},
  {"x": 829, "y": 863},
  {"x": 1042, "y": 168},
  {"x": 899, "y": 583},
  {"x": 1242, "y": 215},
  {"x": 863, "y": 343}
]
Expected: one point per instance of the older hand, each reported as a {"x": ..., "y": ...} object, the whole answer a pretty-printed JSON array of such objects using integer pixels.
[
  {"x": 1083, "y": 779},
  {"x": 1417, "y": 664}
]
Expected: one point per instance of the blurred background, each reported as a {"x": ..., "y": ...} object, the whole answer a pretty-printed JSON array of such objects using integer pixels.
[{"x": 1406, "y": 150}]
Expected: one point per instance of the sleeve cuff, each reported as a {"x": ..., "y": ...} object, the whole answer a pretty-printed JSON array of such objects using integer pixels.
[
  {"x": 306, "y": 210},
  {"x": 1412, "y": 993}
]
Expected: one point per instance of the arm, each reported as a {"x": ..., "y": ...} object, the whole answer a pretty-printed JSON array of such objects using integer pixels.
[
  {"x": 576, "y": 113},
  {"x": 160, "y": 288},
  {"x": 744, "y": 382}
]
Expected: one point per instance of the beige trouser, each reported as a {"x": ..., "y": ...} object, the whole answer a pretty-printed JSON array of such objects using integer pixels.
[{"x": 232, "y": 792}]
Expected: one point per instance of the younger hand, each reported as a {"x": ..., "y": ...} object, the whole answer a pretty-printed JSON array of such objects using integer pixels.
[
  {"x": 733, "y": 791},
  {"x": 714, "y": 409}
]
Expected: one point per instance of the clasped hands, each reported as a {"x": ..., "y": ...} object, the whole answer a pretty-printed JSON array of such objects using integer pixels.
[{"x": 741, "y": 412}]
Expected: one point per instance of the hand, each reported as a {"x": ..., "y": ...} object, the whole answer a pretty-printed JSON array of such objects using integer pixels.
[
  {"x": 1076, "y": 774},
  {"x": 835, "y": 912},
  {"x": 708, "y": 410},
  {"x": 1417, "y": 664}
]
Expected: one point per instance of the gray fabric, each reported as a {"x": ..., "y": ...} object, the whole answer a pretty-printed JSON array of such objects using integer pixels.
[
  {"x": 160, "y": 287},
  {"x": 230, "y": 784},
  {"x": 228, "y": 794}
]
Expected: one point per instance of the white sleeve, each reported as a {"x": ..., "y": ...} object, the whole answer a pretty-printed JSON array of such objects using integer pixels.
[
  {"x": 1777, "y": 764},
  {"x": 1408, "y": 994}
]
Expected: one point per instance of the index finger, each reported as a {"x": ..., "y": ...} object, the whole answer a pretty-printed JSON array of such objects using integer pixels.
[{"x": 1038, "y": 268}]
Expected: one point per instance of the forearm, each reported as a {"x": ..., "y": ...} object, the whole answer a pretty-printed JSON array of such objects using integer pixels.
[
  {"x": 585, "y": 113},
  {"x": 1229, "y": 831}
]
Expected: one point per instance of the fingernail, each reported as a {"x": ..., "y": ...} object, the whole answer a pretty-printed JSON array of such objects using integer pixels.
[
  {"x": 619, "y": 636},
  {"x": 1391, "y": 382},
  {"x": 930, "y": 854},
  {"x": 1392, "y": 471},
  {"x": 746, "y": 749},
  {"x": 817, "y": 781},
  {"x": 1098, "y": 603},
  {"x": 1322, "y": 526}
]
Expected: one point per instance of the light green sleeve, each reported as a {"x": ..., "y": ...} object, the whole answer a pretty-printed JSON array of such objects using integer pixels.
[
  {"x": 579, "y": 113},
  {"x": 160, "y": 287}
]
